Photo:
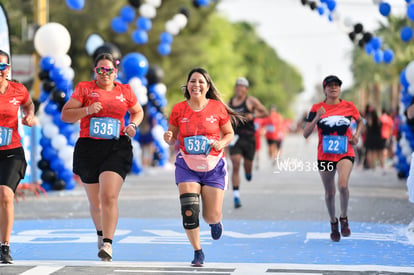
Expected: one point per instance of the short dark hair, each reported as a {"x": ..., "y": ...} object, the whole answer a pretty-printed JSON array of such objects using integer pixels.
[{"x": 106, "y": 56}]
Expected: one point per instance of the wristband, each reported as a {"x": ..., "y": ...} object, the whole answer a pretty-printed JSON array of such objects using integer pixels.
[
  {"x": 133, "y": 125},
  {"x": 87, "y": 111}
]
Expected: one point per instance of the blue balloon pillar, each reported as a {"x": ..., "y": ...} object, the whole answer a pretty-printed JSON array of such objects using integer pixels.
[{"x": 58, "y": 138}]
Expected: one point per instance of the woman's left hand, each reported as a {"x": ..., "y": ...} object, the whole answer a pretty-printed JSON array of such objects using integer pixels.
[
  {"x": 354, "y": 140},
  {"x": 28, "y": 120},
  {"x": 130, "y": 130},
  {"x": 216, "y": 145}
]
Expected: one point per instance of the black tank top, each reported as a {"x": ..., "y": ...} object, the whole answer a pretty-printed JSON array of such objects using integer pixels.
[{"x": 246, "y": 128}]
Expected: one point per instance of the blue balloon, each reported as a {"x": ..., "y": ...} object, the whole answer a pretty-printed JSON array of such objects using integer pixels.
[
  {"x": 166, "y": 37},
  {"x": 119, "y": 25},
  {"x": 43, "y": 96},
  {"x": 75, "y": 4},
  {"x": 128, "y": 14},
  {"x": 56, "y": 74},
  {"x": 45, "y": 142},
  {"x": 321, "y": 10},
  {"x": 331, "y": 4},
  {"x": 47, "y": 63},
  {"x": 51, "y": 108},
  {"x": 368, "y": 48},
  {"x": 388, "y": 56},
  {"x": 49, "y": 153},
  {"x": 410, "y": 11},
  {"x": 403, "y": 79},
  {"x": 406, "y": 33},
  {"x": 203, "y": 3},
  {"x": 64, "y": 85},
  {"x": 140, "y": 37},
  {"x": 134, "y": 64},
  {"x": 164, "y": 49},
  {"x": 378, "y": 56},
  {"x": 144, "y": 23},
  {"x": 385, "y": 8},
  {"x": 376, "y": 43},
  {"x": 71, "y": 184},
  {"x": 57, "y": 165}
]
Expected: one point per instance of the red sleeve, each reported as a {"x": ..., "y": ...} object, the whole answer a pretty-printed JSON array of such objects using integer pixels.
[
  {"x": 224, "y": 115},
  {"x": 173, "y": 120}
]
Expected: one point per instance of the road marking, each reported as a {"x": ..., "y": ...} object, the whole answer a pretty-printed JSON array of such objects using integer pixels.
[{"x": 42, "y": 270}]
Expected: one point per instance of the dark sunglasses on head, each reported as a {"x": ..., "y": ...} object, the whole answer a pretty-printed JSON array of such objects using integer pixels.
[
  {"x": 104, "y": 70},
  {"x": 4, "y": 66}
]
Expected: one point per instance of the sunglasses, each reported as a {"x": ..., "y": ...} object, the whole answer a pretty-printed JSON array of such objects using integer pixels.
[
  {"x": 4, "y": 66},
  {"x": 104, "y": 70}
]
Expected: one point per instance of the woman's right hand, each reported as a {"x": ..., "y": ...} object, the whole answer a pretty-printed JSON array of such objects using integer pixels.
[
  {"x": 94, "y": 108},
  {"x": 168, "y": 137}
]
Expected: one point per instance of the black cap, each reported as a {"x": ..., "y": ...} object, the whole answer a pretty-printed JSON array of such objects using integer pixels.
[{"x": 331, "y": 79}]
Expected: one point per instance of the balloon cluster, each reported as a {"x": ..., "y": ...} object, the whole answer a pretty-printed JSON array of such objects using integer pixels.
[
  {"x": 172, "y": 28},
  {"x": 140, "y": 75},
  {"x": 52, "y": 41},
  {"x": 405, "y": 144},
  {"x": 407, "y": 32},
  {"x": 356, "y": 33}
]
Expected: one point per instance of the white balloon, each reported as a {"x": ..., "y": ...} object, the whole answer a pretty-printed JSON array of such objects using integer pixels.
[
  {"x": 45, "y": 118},
  {"x": 62, "y": 61},
  {"x": 93, "y": 42},
  {"x": 135, "y": 83},
  {"x": 181, "y": 20},
  {"x": 161, "y": 89},
  {"x": 348, "y": 22},
  {"x": 154, "y": 3},
  {"x": 139, "y": 90},
  {"x": 59, "y": 141},
  {"x": 147, "y": 10},
  {"x": 411, "y": 89},
  {"x": 66, "y": 153},
  {"x": 50, "y": 130},
  {"x": 68, "y": 73},
  {"x": 335, "y": 16},
  {"x": 172, "y": 27},
  {"x": 52, "y": 39},
  {"x": 409, "y": 73}
]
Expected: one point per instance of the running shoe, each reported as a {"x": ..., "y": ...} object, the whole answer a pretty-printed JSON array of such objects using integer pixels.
[
  {"x": 335, "y": 236},
  {"x": 248, "y": 176},
  {"x": 237, "y": 203},
  {"x": 198, "y": 258},
  {"x": 345, "y": 231},
  {"x": 216, "y": 230},
  {"x": 105, "y": 253},
  {"x": 5, "y": 257},
  {"x": 100, "y": 241}
]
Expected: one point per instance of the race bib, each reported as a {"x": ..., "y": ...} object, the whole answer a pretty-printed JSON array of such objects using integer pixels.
[
  {"x": 104, "y": 127},
  {"x": 335, "y": 144},
  {"x": 270, "y": 128},
  {"x": 5, "y": 136},
  {"x": 197, "y": 145}
]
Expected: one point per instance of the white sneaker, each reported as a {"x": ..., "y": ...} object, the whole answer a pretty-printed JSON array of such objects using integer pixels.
[{"x": 105, "y": 253}]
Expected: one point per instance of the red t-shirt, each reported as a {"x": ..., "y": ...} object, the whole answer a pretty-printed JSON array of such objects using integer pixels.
[
  {"x": 206, "y": 122},
  {"x": 335, "y": 122},
  {"x": 15, "y": 95},
  {"x": 275, "y": 128},
  {"x": 115, "y": 103}
]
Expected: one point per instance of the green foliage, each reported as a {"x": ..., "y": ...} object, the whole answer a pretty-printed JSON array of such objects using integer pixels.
[{"x": 227, "y": 50}]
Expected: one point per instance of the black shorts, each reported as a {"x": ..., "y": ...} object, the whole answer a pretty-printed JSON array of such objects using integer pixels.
[
  {"x": 274, "y": 141},
  {"x": 91, "y": 157},
  {"x": 12, "y": 167},
  {"x": 246, "y": 146},
  {"x": 326, "y": 165}
]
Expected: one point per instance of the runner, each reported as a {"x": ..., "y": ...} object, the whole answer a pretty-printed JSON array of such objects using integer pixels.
[
  {"x": 202, "y": 124},
  {"x": 103, "y": 153},
  {"x": 335, "y": 151},
  {"x": 243, "y": 147},
  {"x": 12, "y": 159}
]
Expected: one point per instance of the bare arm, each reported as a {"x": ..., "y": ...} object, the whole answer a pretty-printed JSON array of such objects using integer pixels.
[
  {"x": 259, "y": 110},
  {"x": 227, "y": 137},
  {"x": 360, "y": 125},
  {"x": 170, "y": 136},
  {"x": 73, "y": 111},
  {"x": 309, "y": 126},
  {"x": 137, "y": 114},
  {"x": 28, "y": 113}
]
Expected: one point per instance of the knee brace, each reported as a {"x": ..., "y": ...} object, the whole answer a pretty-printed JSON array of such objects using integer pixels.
[{"x": 190, "y": 209}]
